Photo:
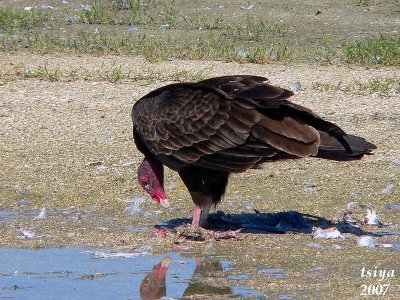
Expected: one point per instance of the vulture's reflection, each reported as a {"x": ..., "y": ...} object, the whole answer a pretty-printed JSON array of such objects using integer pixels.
[{"x": 153, "y": 285}]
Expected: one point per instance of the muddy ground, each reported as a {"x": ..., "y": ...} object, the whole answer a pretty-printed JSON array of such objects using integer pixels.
[{"x": 53, "y": 133}]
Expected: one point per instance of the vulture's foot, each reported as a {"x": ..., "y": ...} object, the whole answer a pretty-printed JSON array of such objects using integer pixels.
[{"x": 198, "y": 234}]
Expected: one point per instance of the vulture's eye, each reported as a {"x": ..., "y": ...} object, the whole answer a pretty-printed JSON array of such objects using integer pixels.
[{"x": 146, "y": 184}]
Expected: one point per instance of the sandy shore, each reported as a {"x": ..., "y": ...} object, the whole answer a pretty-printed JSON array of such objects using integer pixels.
[{"x": 53, "y": 136}]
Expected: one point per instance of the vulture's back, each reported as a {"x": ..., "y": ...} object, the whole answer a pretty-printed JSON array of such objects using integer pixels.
[{"x": 234, "y": 123}]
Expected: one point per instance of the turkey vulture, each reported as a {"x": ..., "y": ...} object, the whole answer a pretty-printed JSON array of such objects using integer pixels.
[{"x": 209, "y": 129}]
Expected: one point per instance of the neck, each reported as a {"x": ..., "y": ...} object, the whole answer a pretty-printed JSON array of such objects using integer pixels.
[{"x": 156, "y": 166}]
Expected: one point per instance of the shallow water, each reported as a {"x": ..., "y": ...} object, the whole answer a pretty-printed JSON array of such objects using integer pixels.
[{"x": 77, "y": 273}]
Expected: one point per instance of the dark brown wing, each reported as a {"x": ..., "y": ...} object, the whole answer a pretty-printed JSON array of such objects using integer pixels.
[
  {"x": 248, "y": 86},
  {"x": 233, "y": 123},
  {"x": 221, "y": 128},
  {"x": 182, "y": 123}
]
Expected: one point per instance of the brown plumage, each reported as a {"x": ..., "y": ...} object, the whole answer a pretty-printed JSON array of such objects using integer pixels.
[{"x": 209, "y": 129}]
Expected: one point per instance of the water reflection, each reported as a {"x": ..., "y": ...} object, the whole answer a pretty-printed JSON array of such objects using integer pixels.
[
  {"x": 153, "y": 285},
  {"x": 206, "y": 268},
  {"x": 73, "y": 273}
]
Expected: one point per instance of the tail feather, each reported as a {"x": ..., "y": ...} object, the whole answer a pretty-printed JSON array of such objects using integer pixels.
[{"x": 331, "y": 148}]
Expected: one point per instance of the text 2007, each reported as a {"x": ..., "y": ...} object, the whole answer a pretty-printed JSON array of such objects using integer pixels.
[{"x": 374, "y": 289}]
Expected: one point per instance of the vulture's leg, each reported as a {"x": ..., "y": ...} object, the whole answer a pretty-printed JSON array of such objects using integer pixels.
[
  {"x": 200, "y": 214},
  {"x": 206, "y": 188}
]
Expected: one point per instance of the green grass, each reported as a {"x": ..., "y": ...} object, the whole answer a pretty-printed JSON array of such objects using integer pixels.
[
  {"x": 385, "y": 86},
  {"x": 207, "y": 46},
  {"x": 163, "y": 31},
  {"x": 118, "y": 12},
  {"x": 11, "y": 19},
  {"x": 114, "y": 74},
  {"x": 208, "y": 38},
  {"x": 114, "y": 12},
  {"x": 362, "y": 2},
  {"x": 254, "y": 30},
  {"x": 375, "y": 50},
  {"x": 383, "y": 50},
  {"x": 42, "y": 73},
  {"x": 327, "y": 51}
]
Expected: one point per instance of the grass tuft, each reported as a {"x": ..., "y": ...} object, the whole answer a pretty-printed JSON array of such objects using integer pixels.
[
  {"x": 160, "y": 30},
  {"x": 384, "y": 86},
  {"x": 41, "y": 73},
  {"x": 12, "y": 19},
  {"x": 371, "y": 51},
  {"x": 254, "y": 30}
]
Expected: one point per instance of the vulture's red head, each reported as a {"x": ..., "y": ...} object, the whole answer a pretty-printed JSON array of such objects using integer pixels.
[{"x": 151, "y": 178}]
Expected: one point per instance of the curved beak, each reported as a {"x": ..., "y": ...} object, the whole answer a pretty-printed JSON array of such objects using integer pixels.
[{"x": 163, "y": 201}]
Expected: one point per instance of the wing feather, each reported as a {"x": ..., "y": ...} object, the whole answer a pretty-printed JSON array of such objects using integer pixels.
[{"x": 229, "y": 123}]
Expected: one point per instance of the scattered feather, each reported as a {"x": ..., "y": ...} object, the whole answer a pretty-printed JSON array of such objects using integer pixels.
[
  {"x": 26, "y": 234},
  {"x": 337, "y": 247},
  {"x": 86, "y": 6},
  {"x": 133, "y": 28},
  {"x": 248, "y": 7},
  {"x": 351, "y": 206},
  {"x": 371, "y": 218},
  {"x": 388, "y": 189},
  {"x": 295, "y": 87},
  {"x": 396, "y": 162},
  {"x": 376, "y": 58},
  {"x": 310, "y": 189},
  {"x": 367, "y": 241},
  {"x": 23, "y": 202},
  {"x": 273, "y": 55},
  {"x": 45, "y": 6},
  {"x": 328, "y": 233},
  {"x": 249, "y": 206},
  {"x": 42, "y": 214},
  {"x": 134, "y": 208},
  {"x": 310, "y": 186},
  {"x": 241, "y": 52},
  {"x": 386, "y": 245},
  {"x": 370, "y": 242},
  {"x": 349, "y": 218},
  {"x": 28, "y": 8},
  {"x": 315, "y": 245},
  {"x": 395, "y": 206},
  {"x": 101, "y": 168}
]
